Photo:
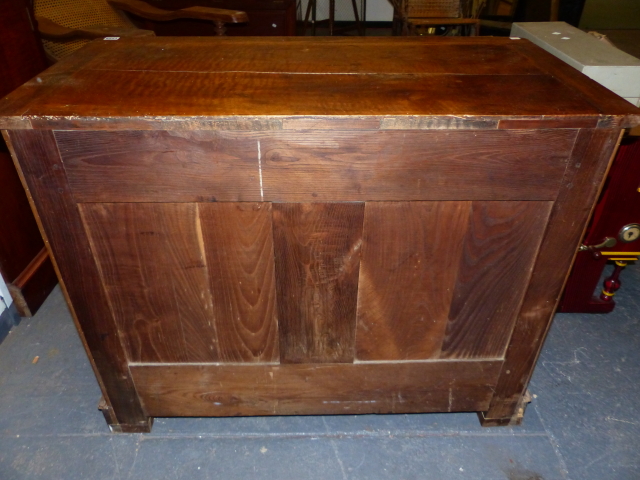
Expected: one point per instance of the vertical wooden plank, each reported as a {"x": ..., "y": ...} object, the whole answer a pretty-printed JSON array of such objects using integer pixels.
[
  {"x": 499, "y": 251},
  {"x": 238, "y": 243},
  {"x": 43, "y": 175},
  {"x": 410, "y": 260},
  {"x": 317, "y": 258},
  {"x": 153, "y": 269},
  {"x": 559, "y": 246}
]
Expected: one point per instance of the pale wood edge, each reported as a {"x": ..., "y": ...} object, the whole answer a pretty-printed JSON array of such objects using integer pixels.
[
  {"x": 303, "y": 122},
  {"x": 33, "y": 266},
  {"x": 19, "y": 301}
]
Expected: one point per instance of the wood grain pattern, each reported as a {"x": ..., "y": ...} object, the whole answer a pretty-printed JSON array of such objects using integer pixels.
[
  {"x": 590, "y": 90},
  {"x": 238, "y": 243},
  {"x": 323, "y": 129},
  {"x": 407, "y": 276},
  {"x": 560, "y": 243},
  {"x": 159, "y": 166},
  {"x": 498, "y": 254},
  {"x": 305, "y": 55},
  {"x": 414, "y": 165},
  {"x": 118, "y": 83},
  {"x": 43, "y": 174},
  {"x": 231, "y": 390},
  {"x": 128, "y": 93},
  {"x": 153, "y": 269},
  {"x": 315, "y": 165},
  {"x": 317, "y": 259},
  {"x": 534, "y": 123}
]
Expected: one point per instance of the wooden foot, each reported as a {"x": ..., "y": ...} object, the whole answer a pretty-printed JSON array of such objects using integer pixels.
[
  {"x": 515, "y": 419},
  {"x": 116, "y": 427}
]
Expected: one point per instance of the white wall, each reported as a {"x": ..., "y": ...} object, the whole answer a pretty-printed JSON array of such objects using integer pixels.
[
  {"x": 5, "y": 294},
  {"x": 377, "y": 10},
  {"x": 4, "y": 291}
]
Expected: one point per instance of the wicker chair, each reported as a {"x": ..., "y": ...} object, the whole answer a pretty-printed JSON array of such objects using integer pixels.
[
  {"x": 411, "y": 17},
  {"x": 67, "y": 25}
]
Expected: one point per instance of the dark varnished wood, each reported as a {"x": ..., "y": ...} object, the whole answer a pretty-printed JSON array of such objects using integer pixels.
[
  {"x": 590, "y": 160},
  {"x": 317, "y": 249},
  {"x": 407, "y": 277},
  {"x": 44, "y": 178},
  {"x": 218, "y": 93},
  {"x": 152, "y": 266},
  {"x": 314, "y": 165},
  {"x": 238, "y": 244},
  {"x": 119, "y": 82},
  {"x": 499, "y": 249},
  {"x": 231, "y": 390},
  {"x": 301, "y": 56},
  {"x": 590, "y": 90}
]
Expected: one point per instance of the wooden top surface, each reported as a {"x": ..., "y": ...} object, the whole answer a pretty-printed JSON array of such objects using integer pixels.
[{"x": 178, "y": 82}]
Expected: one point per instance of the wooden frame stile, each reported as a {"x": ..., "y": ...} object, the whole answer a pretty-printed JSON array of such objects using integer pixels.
[
  {"x": 45, "y": 182},
  {"x": 567, "y": 223}
]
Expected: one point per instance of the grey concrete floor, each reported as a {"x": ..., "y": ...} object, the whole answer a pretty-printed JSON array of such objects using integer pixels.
[{"x": 584, "y": 422}]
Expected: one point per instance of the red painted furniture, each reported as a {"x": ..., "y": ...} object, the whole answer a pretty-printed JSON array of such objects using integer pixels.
[{"x": 619, "y": 206}]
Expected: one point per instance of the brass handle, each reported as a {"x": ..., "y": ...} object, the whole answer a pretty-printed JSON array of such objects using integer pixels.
[{"x": 608, "y": 243}]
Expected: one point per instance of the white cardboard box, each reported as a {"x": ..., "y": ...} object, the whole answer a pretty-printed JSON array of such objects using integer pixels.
[{"x": 607, "y": 65}]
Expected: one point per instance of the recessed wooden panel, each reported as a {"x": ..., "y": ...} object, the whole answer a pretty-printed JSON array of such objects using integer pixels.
[
  {"x": 317, "y": 257},
  {"x": 239, "y": 251},
  {"x": 153, "y": 268},
  {"x": 500, "y": 248},
  {"x": 407, "y": 277},
  {"x": 444, "y": 279},
  {"x": 232, "y": 390},
  {"x": 135, "y": 166}
]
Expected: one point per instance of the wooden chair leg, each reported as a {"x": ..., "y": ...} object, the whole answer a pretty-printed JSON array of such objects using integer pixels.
[
  {"x": 221, "y": 30},
  {"x": 306, "y": 16}
]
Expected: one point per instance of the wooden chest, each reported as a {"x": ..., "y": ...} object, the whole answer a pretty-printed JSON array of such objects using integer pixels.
[{"x": 312, "y": 226}]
